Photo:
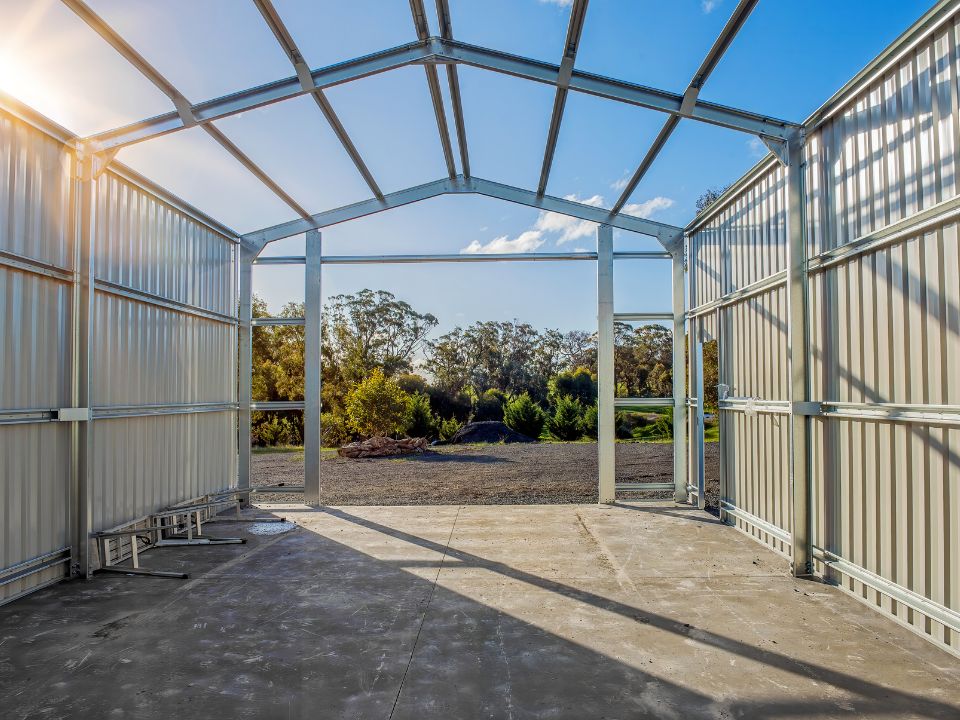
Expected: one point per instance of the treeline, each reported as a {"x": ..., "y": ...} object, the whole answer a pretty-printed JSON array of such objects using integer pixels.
[{"x": 383, "y": 375}]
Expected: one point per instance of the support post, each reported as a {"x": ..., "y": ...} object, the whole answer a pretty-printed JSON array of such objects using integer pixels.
[
  {"x": 82, "y": 363},
  {"x": 606, "y": 382},
  {"x": 799, "y": 376},
  {"x": 679, "y": 378},
  {"x": 245, "y": 366},
  {"x": 313, "y": 301}
]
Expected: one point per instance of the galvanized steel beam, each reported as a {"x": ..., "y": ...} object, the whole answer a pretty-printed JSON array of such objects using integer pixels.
[
  {"x": 81, "y": 366},
  {"x": 453, "y": 85},
  {"x": 690, "y": 95},
  {"x": 289, "y": 46},
  {"x": 612, "y": 89},
  {"x": 666, "y": 234},
  {"x": 245, "y": 365},
  {"x": 313, "y": 312},
  {"x": 800, "y": 476},
  {"x": 606, "y": 381},
  {"x": 433, "y": 84},
  {"x": 578, "y": 14},
  {"x": 679, "y": 380}
]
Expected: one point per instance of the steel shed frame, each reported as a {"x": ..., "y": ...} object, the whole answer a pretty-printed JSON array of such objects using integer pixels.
[{"x": 779, "y": 209}]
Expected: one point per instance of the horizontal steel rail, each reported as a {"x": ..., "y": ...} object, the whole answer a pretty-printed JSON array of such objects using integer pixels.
[
  {"x": 27, "y": 264},
  {"x": 34, "y": 565},
  {"x": 924, "y": 605},
  {"x": 917, "y": 224},
  {"x": 459, "y": 257},
  {"x": 110, "y": 412},
  {"x": 159, "y": 301},
  {"x": 276, "y": 322},
  {"x": 939, "y": 415},
  {"x": 642, "y": 317},
  {"x": 276, "y": 405},
  {"x": 642, "y": 486},
  {"x": 759, "y": 523},
  {"x": 24, "y": 416},
  {"x": 743, "y": 404},
  {"x": 745, "y": 293},
  {"x": 630, "y": 402}
]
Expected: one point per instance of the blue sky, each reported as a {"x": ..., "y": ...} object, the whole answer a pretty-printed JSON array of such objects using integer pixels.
[{"x": 789, "y": 58}]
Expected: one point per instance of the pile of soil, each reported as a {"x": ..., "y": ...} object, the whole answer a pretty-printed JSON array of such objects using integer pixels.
[
  {"x": 488, "y": 431},
  {"x": 383, "y": 447}
]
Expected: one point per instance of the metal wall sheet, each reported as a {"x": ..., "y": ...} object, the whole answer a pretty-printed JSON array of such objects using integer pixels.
[
  {"x": 34, "y": 498},
  {"x": 146, "y": 355},
  {"x": 142, "y": 464},
  {"x": 35, "y": 190},
  {"x": 35, "y": 333},
  {"x": 145, "y": 244},
  {"x": 742, "y": 240}
]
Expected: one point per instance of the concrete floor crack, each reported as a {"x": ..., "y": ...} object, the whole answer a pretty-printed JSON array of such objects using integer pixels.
[{"x": 423, "y": 617}]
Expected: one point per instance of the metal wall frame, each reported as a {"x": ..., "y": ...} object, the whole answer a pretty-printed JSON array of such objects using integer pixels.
[{"x": 831, "y": 286}]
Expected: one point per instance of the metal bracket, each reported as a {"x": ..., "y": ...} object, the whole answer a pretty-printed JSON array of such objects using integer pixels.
[
  {"x": 185, "y": 111},
  {"x": 689, "y": 102},
  {"x": 80, "y": 414},
  {"x": 306, "y": 79},
  {"x": 777, "y": 147},
  {"x": 566, "y": 72},
  {"x": 99, "y": 162},
  {"x": 807, "y": 408}
]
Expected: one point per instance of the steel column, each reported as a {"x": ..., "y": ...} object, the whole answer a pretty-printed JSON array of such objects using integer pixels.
[
  {"x": 679, "y": 380},
  {"x": 82, "y": 432},
  {"x": 606, "y": 383},
  {"x": 799, "y": 375},
  {"x": 313, "y": 308},
  {"x": 245, "y": 365}
]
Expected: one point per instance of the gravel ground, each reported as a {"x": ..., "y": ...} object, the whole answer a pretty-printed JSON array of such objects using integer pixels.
[{"x": 541, "y": 473}]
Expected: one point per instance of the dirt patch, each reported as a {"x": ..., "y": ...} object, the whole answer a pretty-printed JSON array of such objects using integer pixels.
[{"x": 529, "y": 473}]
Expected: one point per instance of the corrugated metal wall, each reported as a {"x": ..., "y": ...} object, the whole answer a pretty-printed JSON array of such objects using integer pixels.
[
  {"x": 884, "y": 334},
  {"x": 163, "y": 348}
]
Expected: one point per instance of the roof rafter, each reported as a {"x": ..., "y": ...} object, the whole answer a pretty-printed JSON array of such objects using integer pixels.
[
  {"x": 289, "y": 46},
  {"x": 668, "y": 235},
  {"x": 690, "y": 95},
  {"x": 453, "y": 84},
  {"x": 184, "y": 112},
  {"x": 433, "y": 83},
  {"x": 578, "y": 13},
  {"x": 445, "y": 51}
]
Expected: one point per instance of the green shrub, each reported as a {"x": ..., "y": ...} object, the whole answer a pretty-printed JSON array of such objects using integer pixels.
[
  {"x": 334, "y": 429},
  {"x": 448, "y": 428},
  {"x": 422, "y": 422},
  {"x": 489, "y": 406},
  {"x": 566, "y": 423},
  {"x": 589, "y": 423},
  {"x": 275, "y": 431},
  {"x": 377, "y": 406},
  {"x": 525, "y": 416},
  {"x": 623, "y": 426},
  {"x": 580, "y": 384},
  {"x": 449, "y": 404}
]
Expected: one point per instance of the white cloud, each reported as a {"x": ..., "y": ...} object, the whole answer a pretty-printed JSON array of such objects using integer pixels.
[
  {"x": 562, "y": 228},
  {"x": 756, "y": 147},
  {"x": 709, "y": 6},
  {"x": 648, "y": 207},
  {"x": 527, "y": 241},
  {"x": 558, "y": 3},
  {"x": 621, "y": 183}
]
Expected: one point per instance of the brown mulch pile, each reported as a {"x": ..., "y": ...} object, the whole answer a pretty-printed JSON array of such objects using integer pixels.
[{"x": 383, "y": 447}]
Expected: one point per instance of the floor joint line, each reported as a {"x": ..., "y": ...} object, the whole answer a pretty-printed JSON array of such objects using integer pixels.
[{"x": 423, "y": 617}]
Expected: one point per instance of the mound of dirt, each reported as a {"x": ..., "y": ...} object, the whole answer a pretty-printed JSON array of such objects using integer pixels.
[
  {"x": 383, "y": 447},
  {"x": 488, "y": 431}
]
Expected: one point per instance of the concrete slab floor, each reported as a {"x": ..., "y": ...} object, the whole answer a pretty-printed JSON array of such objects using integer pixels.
[{"x": 561, "y": 611}]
